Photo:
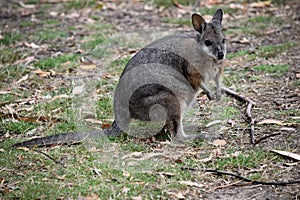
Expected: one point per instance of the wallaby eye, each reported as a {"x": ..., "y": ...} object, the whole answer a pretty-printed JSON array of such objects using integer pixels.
[{"x": 208, "y": 43}]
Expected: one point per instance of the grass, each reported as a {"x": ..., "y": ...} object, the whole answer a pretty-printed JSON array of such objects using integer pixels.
[
  {"x": 24, "y": 24},
  {"x": 125, "y": 167},
  {"x": 63, "y": 61},
  {"x": 169, "y": 3},
  {"x": 180, "y": 22},
  {"x": 10, "y": 38},
  {"x": 273, "y": 50},
  {"x": 48, "y": 34},
  {"x": 118, "y": 65},
  {"x": 267, "y": 51},
  {"x": 273, "y": 69}
]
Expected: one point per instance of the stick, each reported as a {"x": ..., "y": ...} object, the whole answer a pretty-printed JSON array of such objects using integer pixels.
[
  {"x": 224, "y": 186},
  {"x": 250, "y": 105},
  {"x": 218, "y": 172},
  {"x": 265, "y": 137},
  {"x": 253, "y": 182},
  {"x": 43, "y": 153}
]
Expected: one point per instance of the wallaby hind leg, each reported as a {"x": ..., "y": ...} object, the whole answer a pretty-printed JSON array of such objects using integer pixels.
[{"x": 176, "y": 127}]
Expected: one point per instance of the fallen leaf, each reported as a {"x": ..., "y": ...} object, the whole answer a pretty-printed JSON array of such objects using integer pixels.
[
  {"x": 137, "y": 198},
  {"x": 291, "y": 164},
  {"x": 270, "y": 121},
  {"x": 288, "y": 154},
  {"x": 26, "y": 60},
  {"x": 94, "y": 121},
  {"x": 133, "y": 155},
  {"x": 53, "y": 13},
  {"x": 24, "y": 78},
  {"x": 213, "y": 123},
  {"x": 87, "y": 66},
  {"x": 125, "y": 190},
  {"x": 126, "y": 174},
  {"x": 260, "y": 4},
  {"x": 219, "y": 142},
  {"x": 105, "y": 126},
  {"x": 27, "y": 6},
  {"x": 78, "y": 90},
  {"x": 31, "y": 45},
  {"x": 192, "y": 184},
  {"x": 41, "y": 73},
  {"x": 289, "y": 129},
  {"x": 92, "y": 196},
  {"x": 5, "y": 92},
  {"x": 178, "y": 195},
  {"x": 205, "y": 160},
  {"x": 61, "y": 96},
  {"x": 231, "y": 122},
  {"x": 166, "y": 174}
]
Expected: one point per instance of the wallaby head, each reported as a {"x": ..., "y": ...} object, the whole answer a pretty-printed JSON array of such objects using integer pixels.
[{"x": 210, "y": 35}]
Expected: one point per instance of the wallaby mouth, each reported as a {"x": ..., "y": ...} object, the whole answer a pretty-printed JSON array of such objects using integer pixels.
[{"x": 220, "y": 55}]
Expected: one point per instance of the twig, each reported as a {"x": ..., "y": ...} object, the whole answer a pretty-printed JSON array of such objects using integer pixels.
[
  {"x": 265, "y": 137},
  {"x": 250, "y": 105},
  {"x": 218, "y": 172},
  {"x": 224, "y": 186},
  {"x": 253, "y": 182},
  {"x": 48, "y": 156}
]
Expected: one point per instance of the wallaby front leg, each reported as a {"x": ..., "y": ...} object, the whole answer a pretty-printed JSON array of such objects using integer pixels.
[
  {"x": 218, "y": 81},
  {"x": 206, "y": 90}
]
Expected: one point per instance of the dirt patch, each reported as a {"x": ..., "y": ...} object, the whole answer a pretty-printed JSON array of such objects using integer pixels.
[{"x": 263, "y": 42}]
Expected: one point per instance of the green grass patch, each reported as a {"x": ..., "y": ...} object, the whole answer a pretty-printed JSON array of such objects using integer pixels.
[
  {"x": 10, "y": 38},
  {"x": 263, "y": 51},
  {"x": 243, "y": 53},
  {"x": 64, "y": 61},
  {"x": 48, "y": 34},
  {"x": 180, "y": 22},
  {"x": 9, "y": 55},
  {"x": 51, "y": 22},
  {"x": 24, "y": 24},
  {"x": 266, "y": 20},
  {"x": 118, "y": 65},
  {"x": 248, "y": 159},
  {"x": 9, "y": 74},
  {"x": 225, "y": 113},
  {"x": 95, "y": 45},
  {"x": 274, "y": 70},
  {"x": 104, "y": 108},
  {"x": 79, "y": 4},
  {"x": 17, "y": 127},
  {"x": 273, "y": 50},
  {"x": 169, "y": 3}
]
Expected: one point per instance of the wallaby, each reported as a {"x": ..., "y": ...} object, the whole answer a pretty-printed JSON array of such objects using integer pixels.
[{"x": 161, "y": 81}]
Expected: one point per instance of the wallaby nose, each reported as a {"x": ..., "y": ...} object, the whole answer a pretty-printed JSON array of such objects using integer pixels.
[{"x": 220, "y": 55}]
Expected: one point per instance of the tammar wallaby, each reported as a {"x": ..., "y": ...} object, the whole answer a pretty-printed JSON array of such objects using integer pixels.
[{"x": 162, "y": 81}]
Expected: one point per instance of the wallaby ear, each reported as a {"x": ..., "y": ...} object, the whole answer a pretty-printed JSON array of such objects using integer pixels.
[
  {"x": 218, "y": 16},
  {"x": 198, "y": 22}
]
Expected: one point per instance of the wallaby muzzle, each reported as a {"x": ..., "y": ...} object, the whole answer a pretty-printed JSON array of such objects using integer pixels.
[{"x": 220, "y": 55}]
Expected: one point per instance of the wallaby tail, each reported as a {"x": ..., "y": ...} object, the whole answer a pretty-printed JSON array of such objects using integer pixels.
[{"x": 70, "y": 138}]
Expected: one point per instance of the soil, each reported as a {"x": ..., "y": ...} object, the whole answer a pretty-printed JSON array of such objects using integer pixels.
[{"x": 270, "y": 94}]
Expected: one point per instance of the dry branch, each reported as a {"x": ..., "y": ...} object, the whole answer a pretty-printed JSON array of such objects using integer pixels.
[
  {"x": 250, "y": 105},
  {"x": 254, "y": 182}
]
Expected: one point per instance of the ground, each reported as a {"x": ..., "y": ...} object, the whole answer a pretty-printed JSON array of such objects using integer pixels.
[{"x": 59, "y": 65}]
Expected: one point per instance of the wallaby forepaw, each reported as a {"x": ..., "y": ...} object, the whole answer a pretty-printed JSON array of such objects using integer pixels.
[
  {"x": 218, "y": 96},
  {"x": 210, "y": 96}
]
